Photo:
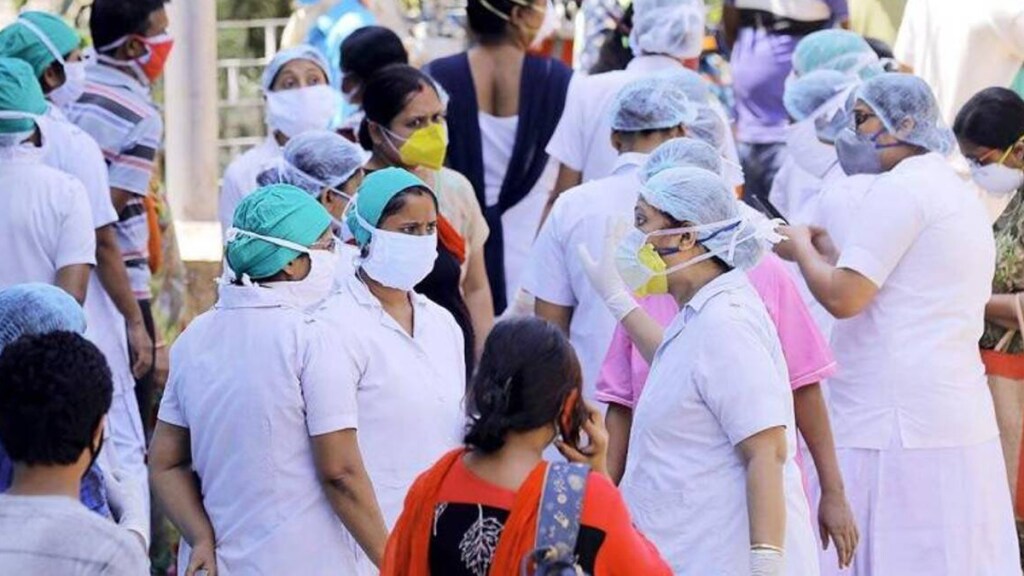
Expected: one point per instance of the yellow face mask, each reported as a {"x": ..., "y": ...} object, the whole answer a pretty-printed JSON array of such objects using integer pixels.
[
  {"x": 425, "y": 147},
  {"x": 658, "y": 283}
]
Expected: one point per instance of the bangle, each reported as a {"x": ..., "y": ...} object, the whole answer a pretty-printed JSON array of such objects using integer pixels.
[{"x": 766, "y": 548}]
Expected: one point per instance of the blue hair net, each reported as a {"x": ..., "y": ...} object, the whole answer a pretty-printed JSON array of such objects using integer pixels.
[
  {"x": 34, "y": 309},
  {"x": 280, "y": 172},
  {"x": 698, "y": 197},
  {"x": 651, "y": 104},
  {"x": 808, "y": 93},
  {"x": 680, "y": 153},
  {"x": 839, "y": 50},
  {"x": 908, "y": 110},
  {"x": 689, "y": 82},
  {"x": 323, "y": 157},
  {"x": 282, "y": 58},
  {"x": 671, "y": 27}
]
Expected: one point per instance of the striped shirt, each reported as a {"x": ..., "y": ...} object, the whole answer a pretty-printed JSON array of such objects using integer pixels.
[{"x": 119, "y": 113}]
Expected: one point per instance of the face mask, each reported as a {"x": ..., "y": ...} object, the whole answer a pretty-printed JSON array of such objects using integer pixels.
[
  {"x": 425, "y": 147},
  {"x": 74, "y": 72},
  {"x": 998, "y": 179},
  {"x": 151, "y": 64},
  {"x": 292, "y": 112},
  {"x": 312, "y": 289},
  {"x": 809, "y": 153},
  {"x": 396, "y": 260},
  {"x": 859, "y": 155}
]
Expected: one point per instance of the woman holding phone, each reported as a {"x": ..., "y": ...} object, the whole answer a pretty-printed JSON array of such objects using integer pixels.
[{"x": 475, "y": 511}]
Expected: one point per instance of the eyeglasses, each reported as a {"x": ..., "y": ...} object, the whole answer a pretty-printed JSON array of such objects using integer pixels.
[{"x": 860, "y": 117}]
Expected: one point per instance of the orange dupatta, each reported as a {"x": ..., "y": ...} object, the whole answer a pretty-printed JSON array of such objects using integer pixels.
[{"x": 408, "y": 548}]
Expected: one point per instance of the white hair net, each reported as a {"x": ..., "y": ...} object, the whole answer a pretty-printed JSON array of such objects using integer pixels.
[
  {"x": 325, "y": 157},
  {"x": 651, "y": 104},
  {"x": 699, "y": 197},
  {"x": 671, "y": 27},
  {"x": 680, "y": 153},
  {"x": 839, "y": 50},
  {"x": 908, "y": 110},
  {"x": 808, "y": 93},
  {"x": 282, "y": 58}
]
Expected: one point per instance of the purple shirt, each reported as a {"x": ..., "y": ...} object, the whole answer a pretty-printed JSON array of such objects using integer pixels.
[{"x": 760, "y": 64}]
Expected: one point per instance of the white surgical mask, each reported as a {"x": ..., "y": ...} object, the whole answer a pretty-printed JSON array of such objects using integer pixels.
[
  {"x": 295, "y": 111},
  {"x": 74, "y": 72},
  {"x": 309, "y": 292},
  {"x": 998, "y": 179},
  {"x": 396, "y": 260}
]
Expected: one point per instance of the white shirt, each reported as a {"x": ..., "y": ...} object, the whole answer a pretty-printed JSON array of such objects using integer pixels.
[
  {"x": 409, "y": 389},
  {"x": 240, "y": 178},
  {"x": 910, "y": 369},
  {"x": 45, "y": 220},
  {"x": 718, "y": 378},
  {"x": 581, "y": 216},
  {"x": 520, "y": 222},
  {"x": 804, "y": 10},
  {"x": 252, "y": 380},
  {"x": 582, "y": 140},
  {"x": 960, "y": 48}
]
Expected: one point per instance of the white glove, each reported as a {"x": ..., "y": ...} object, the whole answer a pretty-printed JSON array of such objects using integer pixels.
[
  {"x": 522, "y": 305},
  {"x": 766, "y": 562},
  {"x": 605, "y": 278},
  {"x": 128, "y": 503}
]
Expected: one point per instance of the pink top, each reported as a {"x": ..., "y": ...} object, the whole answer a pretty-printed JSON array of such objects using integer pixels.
[{"x": 808, "y": 356}]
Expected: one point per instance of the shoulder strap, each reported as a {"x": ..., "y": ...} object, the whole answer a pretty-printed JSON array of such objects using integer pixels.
[{"x": 561, "y": 505}]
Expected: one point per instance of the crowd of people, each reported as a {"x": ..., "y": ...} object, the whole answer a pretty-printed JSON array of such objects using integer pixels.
[{"x": 510, "y": 318}]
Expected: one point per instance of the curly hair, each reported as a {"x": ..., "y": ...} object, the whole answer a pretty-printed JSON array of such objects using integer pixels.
[{"x": 54, "y": 390}]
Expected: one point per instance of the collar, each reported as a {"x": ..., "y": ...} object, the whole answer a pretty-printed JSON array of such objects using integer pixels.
[
  {"x": 362, "y": 295},
  {"x": 727, "y": 282},
  {"x": 653, "y": 63},
  {"x": 628, "y": 162},
  {"x": 111, "y": 75},
  {"x": 233, "y": 297}
]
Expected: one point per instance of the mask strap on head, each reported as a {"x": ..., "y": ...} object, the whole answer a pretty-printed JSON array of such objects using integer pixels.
[
  {"x": 506, "y": 17},
  {"x": 42, "y": 38},
  {"x": 233, "y": 234},
  {"x": 17, "y": 115},
  {"x": 1009, "y": 150}
]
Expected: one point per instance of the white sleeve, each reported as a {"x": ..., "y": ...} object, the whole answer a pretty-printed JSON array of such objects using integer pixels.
[
  {"x": 567, "y": 144},
  {"x": 329, "y": 381},
  {"x": 547, "y": 272},
  {"x": 76, "y": 240},
  {"x": 733, "y": 378},
  {"x": 171, "y": 410},
  {"x": 888, "y": 222}
]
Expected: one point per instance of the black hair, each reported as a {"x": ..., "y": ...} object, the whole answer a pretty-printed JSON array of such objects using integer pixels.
[
  {"x": 111, "y": 20},
  {"x": 54, "y": 390},
  {"x": 386, "y": 94},
  {"x": 369, "y": 49},
  {"x": 879, "y": 47},
  {"x": 526, "y": 373},
  {"x": 615, "y": 53},
  {"x": 487, "y": 26},
  {"x": 993, "y": 118}
]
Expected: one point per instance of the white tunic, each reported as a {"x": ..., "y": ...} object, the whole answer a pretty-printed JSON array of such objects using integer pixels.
[
  {"x": 409, "y": 388},
  {"x": 45, "y": 220},
  {"x": 718, "y": 378},
  {"x": 252, "y": 380},
  {"x": 240, "y": 178},
  {"x": 910, "y": 364},
  {"x": 581, "y": 216}
]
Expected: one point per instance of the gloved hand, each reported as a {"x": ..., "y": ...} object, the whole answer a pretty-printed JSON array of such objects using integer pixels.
[
  {"x": 128, "y": 503},
  {"x": 605, "y": 278},
  {"x": 765, "y": 562},
  {"x": 522, "y": 305}
]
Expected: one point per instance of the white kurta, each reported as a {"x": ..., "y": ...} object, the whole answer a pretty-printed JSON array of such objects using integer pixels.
[
  {"x": 718, "y": 378},
  {"x": 253, "y": 380},
  {"x": 408, "y": 389},
  {"x": 581, "y": 216},
  {"x": 521, "y": 221},
  {"x": 911, "y": 409},
  {"x": 240, "y": 178}
]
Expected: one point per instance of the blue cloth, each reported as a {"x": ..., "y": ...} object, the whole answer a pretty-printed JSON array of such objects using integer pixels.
[
  {"x": 92, "y": 493},
  {"x": 543, "y": 87}
]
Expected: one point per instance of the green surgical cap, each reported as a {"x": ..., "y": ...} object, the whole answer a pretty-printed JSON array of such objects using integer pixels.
[
  {"x": 278, "y": 211},
  {"x": 377, "y": 190},
  {"x": 18, "y": 41},
  {"x": 19, "y": 92}
]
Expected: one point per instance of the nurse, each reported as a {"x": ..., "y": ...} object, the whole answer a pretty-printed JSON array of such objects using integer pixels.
[
  {"x": 254, "y": 412},
  {"x": 330, "y": 169},
  {"x": 298, "y": 95},
  {"x": 710, "y": 476},
  {"x": 401, "y": 355},
  {"x": 646, "y": 113},
  {"x": 913, "y": 418},
  {"x": 45, "y": 222}
]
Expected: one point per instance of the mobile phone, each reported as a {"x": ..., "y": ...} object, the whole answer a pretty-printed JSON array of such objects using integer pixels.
[
  {"x": 574, "y": 413},
  {"x": 765, "y": 206}
]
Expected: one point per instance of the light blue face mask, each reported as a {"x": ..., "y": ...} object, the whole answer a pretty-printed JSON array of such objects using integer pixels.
[{"x": 858, "y": 153}]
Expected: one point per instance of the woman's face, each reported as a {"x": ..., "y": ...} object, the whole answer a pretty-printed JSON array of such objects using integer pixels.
[
  {"x": 1012, "y": 157},
  {"x": 417, "y": 217},
  {"x": 298, "y": 269},
  {"x": 674, "y": 248},
  {"x": 423, "y": 109},
  {"x": 298, "y": 74}
]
